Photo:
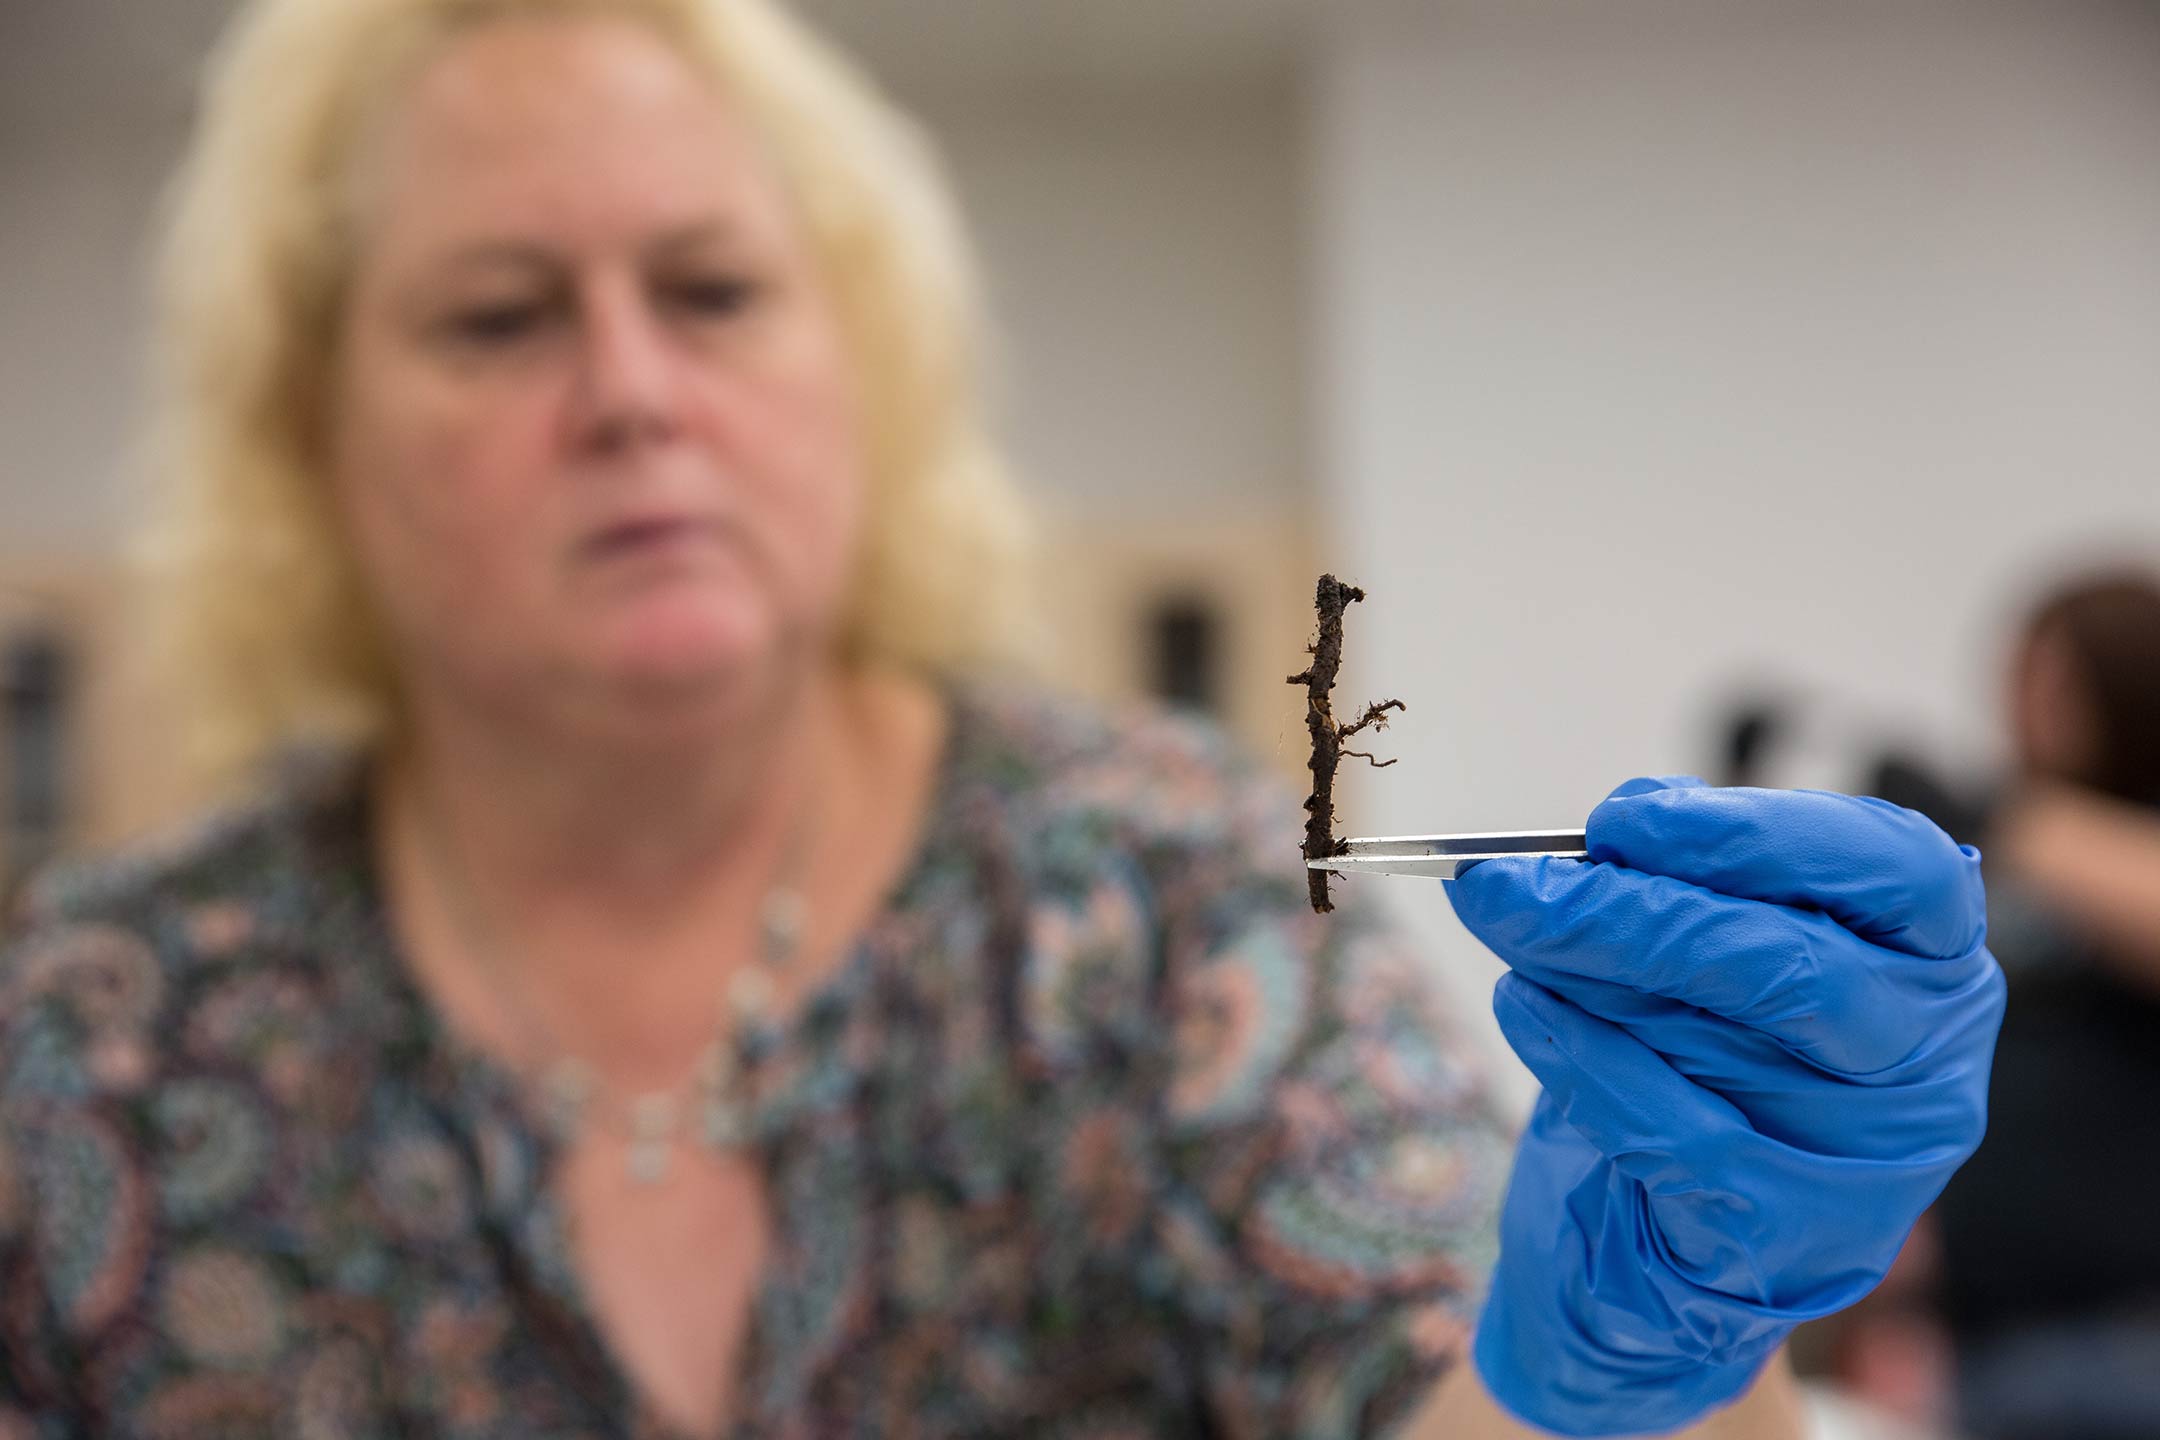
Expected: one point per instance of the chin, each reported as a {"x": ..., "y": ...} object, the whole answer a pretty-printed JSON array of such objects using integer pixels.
[{"x": 685, "y": 649}]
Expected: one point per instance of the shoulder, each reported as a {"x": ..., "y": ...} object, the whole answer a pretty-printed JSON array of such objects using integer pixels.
[
  {"x": 101, "y": 953},
  {"x": 1136, "y": 776},
  {"x": 1134, "y": 830},
  {"x": 1160, "y": 855},
  {"x": 1125, "y": 848},
  {"x": 1286, "y": 1076},
  {"x": 156, "y": 1032}
]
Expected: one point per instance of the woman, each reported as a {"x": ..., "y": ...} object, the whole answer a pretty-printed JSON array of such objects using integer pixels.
[
  {"x": 2050, "y": 1269},
  {"x": 686, "y": 1002}
]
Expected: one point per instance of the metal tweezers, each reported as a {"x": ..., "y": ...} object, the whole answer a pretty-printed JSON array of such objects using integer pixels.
[{"x": 1443, "y": 857}]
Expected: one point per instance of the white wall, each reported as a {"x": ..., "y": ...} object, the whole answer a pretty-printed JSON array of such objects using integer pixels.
[
  {"x": 1667, "y": 344},
  {"x": 1146, "y": 278},
  {"x": 74, "y": 212},
  {"x": 1144, "y": 253}
]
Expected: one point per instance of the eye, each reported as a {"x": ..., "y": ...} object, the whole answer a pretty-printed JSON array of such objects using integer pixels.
[
  {"x": 497, "y": 324},
  {"x": 715, "y": 298}
]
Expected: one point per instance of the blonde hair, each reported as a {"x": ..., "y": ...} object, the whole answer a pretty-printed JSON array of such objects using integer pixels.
[{"x": 259, "y": 617}]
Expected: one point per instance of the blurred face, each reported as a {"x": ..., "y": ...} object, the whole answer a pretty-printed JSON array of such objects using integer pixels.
[
  {"x": 593, "y": 433},
  {"x": 2052, "y": 723}
]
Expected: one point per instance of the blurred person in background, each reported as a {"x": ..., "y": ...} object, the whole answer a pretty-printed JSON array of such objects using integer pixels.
[
  {"x": 2049, "y": 1257},
  {"x": 638, "y": 972},
  {"x": 2027, "y": 1303}
]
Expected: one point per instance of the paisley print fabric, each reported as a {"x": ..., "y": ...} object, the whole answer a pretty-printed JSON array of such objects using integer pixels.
[{"x": 1100, "y": 1132}]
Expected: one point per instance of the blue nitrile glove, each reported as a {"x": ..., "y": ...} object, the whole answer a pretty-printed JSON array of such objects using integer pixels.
[{"x": 1763, "y": 1021}]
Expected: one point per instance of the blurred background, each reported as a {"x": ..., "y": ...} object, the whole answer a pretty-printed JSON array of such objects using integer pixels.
[{"x": 1697, "y": 386}]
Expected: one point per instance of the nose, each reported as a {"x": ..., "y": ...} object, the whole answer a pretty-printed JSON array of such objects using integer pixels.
[{"x": 627, "y": 380}]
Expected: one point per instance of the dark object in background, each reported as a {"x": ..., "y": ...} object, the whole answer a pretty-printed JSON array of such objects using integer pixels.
[
  {"x": 33, "y": 711},
  {"x": 1756, "y": 731},
  {"x": 1752, "y": 731},
  {"x": 1904, "y": 780},
  {"x": 1185, "y": 653}
]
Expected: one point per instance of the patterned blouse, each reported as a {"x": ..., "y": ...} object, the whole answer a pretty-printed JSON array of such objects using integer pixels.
[{"x": 1099, "y": 1132}]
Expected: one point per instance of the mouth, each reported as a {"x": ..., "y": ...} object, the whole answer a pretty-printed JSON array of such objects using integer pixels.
[{"x": 647, "y": 536}]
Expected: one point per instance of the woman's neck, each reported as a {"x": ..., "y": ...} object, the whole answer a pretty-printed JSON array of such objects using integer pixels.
[
  {"x": 531, "y": 814},
  {"x": 612, "y": 893}
]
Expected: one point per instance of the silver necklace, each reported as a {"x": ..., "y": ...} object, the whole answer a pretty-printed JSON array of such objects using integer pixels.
[{"x": 714, "y": 1102}]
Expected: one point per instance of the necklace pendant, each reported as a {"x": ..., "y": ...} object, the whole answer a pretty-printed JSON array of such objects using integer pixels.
[
  {"x": 727, "y": 1124},
  {"x": 649, "y": 1160},
  {"x": 568, "y": 1086},
  {"x": 652, "y": 1136}
]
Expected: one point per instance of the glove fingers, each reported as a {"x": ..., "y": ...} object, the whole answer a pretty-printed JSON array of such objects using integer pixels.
[
  {"x": 1884, "y": 872},
  {"x": 1785, "y": 1098},
  {"x": 1651, "y": 784},
  {"x": 1730, "y": 1059},
  {"x": 1620, "y": 1094},
  {"x": 1820, "y": 991}
]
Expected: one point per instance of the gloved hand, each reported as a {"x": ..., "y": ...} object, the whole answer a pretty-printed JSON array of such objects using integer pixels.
[{"x": 1763, "y": 1021}]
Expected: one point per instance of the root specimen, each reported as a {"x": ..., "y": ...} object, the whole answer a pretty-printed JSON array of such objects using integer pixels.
[{"x": 1333, "y": 598}]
